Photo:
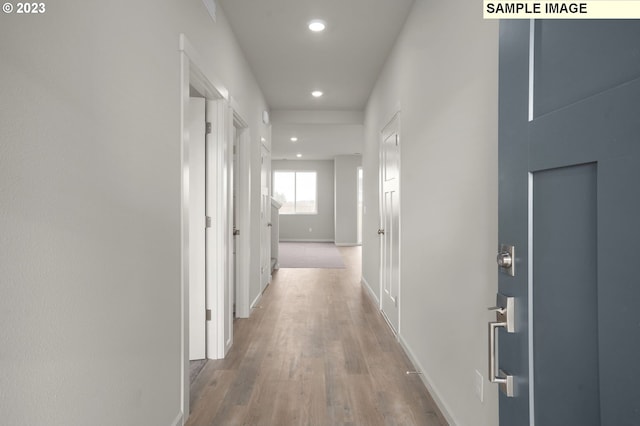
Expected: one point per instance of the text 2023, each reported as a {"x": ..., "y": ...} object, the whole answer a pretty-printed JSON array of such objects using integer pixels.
[{"x": 30, "y": 8}]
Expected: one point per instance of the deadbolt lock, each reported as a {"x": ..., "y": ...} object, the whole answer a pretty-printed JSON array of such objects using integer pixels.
[{"x": 506, "y": 259}]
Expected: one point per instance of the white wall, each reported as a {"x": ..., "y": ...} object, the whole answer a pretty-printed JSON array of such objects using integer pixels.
[
  {"x": 90, "y": 206},
  {"x": 295, "y": 227},
  {"x": 346, "y": 198},
  {"x": 443, "y": 75}
]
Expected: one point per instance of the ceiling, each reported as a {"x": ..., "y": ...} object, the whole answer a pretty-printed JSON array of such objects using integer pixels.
[
  {"x": 289, "y": 62},
  {"x": 316, "y": 141}
]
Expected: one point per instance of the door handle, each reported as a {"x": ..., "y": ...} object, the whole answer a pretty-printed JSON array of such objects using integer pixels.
[
  {"x": 380, "y": 231},
  {"x": 269, "y": 225},
  {"x": 504, "y": 380},
  {"x": 236, "y": 231},
  {"x": 504, "y": 319}
]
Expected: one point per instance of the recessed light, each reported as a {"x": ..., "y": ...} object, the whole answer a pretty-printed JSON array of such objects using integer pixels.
[
  {"x": 299, "y": 155},
  {"x": 317, "y": 25},
  {"x": 294, "y": 139},
  {"x": 316, "y": 93},
  {"x": 263, "y": 140}
]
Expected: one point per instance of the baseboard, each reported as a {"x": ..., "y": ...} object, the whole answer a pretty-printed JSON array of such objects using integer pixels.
[
  {"x": 310, "y": 240},
  {"x": 441, "y": 406},
  {"x": 255, "y": 302},
  {"x": 371, "y": 293},
  {"x": 178, "y": 421}
]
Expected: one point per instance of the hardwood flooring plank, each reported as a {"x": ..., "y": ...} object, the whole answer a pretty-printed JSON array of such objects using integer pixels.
[{"x": 315, "y": 351}]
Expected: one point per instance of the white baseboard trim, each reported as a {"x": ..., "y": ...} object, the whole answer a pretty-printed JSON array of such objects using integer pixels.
[
  {"x": 347, "y": 244},
  {"x": 428, "y": 383},
  {"x": 373, "y": 296},
  {"x": 255, "y": 302},
  {"x": 178, "y": 421},
  {"x": 310, "y": 240}
]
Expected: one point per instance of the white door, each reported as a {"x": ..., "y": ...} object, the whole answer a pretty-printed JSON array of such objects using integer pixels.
[
  {"x": 218, "y": 233},
  {"x": 359, "y": 206},
  {"x": 196, "y": 117},
  {"x": 227, "y": 170},
  {"x": 265, "y": 219},
  {"x": 390, "y": 223},
  {"x": 234, "y": 215}
]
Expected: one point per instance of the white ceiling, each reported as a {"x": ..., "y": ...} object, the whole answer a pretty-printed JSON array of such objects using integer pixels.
[
  {"x": 289, "y": 62},
  {"x": 316, "y": 141}
]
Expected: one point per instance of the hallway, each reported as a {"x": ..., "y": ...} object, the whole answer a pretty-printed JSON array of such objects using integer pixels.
[{"x": 315, "y": 351}]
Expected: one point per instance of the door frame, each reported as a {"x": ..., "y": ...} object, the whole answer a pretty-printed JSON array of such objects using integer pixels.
[
  {"x": 194, "y": 74},
  {"x": 394, "y": 121}
]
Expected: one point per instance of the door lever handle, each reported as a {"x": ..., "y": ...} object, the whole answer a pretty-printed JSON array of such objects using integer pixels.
[
  {"x": 497, "y": 308},
  {"x": 380, "y": 231}
]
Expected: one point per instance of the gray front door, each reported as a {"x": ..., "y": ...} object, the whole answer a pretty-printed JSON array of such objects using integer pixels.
[{"x": 569, "y": 147}]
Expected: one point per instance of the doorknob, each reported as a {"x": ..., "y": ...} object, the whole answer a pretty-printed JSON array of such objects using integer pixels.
[
  {"x": 505, "y": 318},
  {"x": 380, "y": 231},
  {"x": 506, "y": 259}
]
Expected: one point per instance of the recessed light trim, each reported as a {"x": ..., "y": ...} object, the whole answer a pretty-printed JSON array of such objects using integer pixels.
[
  {"x": 317, "y": 25},
  {"x": 294, "y": 139},
  {"x": 317, "y": 93}
]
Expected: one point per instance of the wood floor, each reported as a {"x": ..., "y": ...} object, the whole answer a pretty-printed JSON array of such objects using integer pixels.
[{"x": 315, "y": 351}]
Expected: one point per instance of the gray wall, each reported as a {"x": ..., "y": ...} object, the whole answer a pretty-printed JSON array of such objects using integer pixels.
[
  {"x": 296, "y": 227},
  {"x": 346, "y": 198},
  {"x": 448, "y": 96},
  {"x": 90, "y": 221}
]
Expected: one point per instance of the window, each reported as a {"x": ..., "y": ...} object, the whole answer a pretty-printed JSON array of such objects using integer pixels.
[{"x": 296, "y": 191}]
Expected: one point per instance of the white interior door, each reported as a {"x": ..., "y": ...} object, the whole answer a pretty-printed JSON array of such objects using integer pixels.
[
  {"x": 265, "y": 218},
  {"x": 218, "y": 233},
  {"x": 234, "y": 216},
  {"x": 359, "y": 206},
  {"x": 196, "y": 228},
  {"x": 229, "y": 286},
  {"x": 390, "y": 223}
]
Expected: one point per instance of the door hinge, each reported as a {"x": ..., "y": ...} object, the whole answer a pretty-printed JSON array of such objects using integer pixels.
[
  {"x": 208, "y": 314},
  {"x": 234, "y": 150},
  {"x": 208, "y": 222},
  {"x": 208, "y": 130}
]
